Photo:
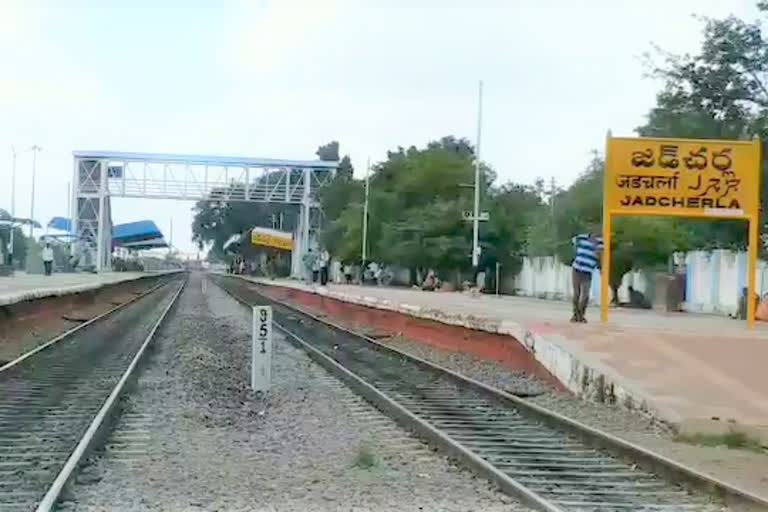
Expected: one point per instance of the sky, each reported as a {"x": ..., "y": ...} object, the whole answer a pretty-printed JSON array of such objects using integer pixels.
[{"x": 276, "y": 79}]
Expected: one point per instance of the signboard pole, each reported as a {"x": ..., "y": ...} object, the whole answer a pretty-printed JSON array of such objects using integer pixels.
[
  {"x": 605, "y": 282},
  {"x": 752, "y": 270},
  {"x": 605, "y": 266},
  {"x": 261, "y": 348}
]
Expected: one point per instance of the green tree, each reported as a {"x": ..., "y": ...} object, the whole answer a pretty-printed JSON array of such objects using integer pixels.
[
  {"x": 573, "y": 211},
  {"x": 343, "y": 189},
  {"x": 415, "y": 208},
  {"x": 215, "y": 221},
  {"x": 719, "y": 92},
  {"x": 636, "y": 242},
  {"x": 513, "y": 209},
  {"x": 19, "y": 240},
  {"x": 19, "y": 244},
  {"x": 417, "y": 197},
  {"x": 330, "y": 152}
]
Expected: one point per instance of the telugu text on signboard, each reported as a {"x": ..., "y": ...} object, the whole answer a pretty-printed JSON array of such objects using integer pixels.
[{"x": 679, "y": 177}]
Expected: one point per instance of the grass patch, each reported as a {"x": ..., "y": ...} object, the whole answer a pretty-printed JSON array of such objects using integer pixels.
[
  {"x": 366, "y": 457},
  {"x": 732, "y": 439}
]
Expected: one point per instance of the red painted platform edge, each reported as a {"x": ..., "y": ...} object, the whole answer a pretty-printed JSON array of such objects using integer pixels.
[{"x": 484, "y": 345}]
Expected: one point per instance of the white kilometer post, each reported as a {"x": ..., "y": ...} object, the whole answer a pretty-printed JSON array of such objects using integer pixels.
[{"x": 261, "y": 348}]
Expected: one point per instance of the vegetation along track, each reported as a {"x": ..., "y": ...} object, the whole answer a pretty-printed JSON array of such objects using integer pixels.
[
  {"x": 548, "y": 461},
  {"x": 55, "y": 399}
]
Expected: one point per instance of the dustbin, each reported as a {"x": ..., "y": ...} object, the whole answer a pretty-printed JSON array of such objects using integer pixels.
[{"x": 670, "y": 292}]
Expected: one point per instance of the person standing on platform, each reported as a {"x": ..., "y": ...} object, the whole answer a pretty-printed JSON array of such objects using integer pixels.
[
  {"x": 48, "y": 258},
  {"x": 325, "y": 261},
  {"x": 316, "y": 265},
  {"x": 588, "y": 249}
]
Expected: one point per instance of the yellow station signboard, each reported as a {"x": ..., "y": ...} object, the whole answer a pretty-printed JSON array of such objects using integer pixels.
[
  {"x": 682, "y": 178},
  {"x": 271, "y": 238},
  {"x": 693, "y": 178}
]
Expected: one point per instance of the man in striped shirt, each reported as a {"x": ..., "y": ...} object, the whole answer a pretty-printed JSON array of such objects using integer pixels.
[{"x": 588, "y": 250}]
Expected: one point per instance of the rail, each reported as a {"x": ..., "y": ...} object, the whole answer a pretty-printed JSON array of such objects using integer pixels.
[
  {"x": 57, "y": 398},
  {"x": 550, "y": 462}
]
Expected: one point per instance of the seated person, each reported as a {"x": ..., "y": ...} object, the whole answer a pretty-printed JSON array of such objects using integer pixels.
[
  {"x": 430, "y": 282},
  {"x": 637, "y": 300}
]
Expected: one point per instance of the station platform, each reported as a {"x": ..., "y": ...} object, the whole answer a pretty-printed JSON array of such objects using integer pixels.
[
  {"x": 699, "y": 372},
  {"x": 22, "y": 287}
]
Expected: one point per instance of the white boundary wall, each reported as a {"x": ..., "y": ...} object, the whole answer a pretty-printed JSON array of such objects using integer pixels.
[{"x": 714, "y": 280}]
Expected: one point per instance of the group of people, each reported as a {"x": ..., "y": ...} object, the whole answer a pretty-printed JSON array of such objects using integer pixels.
[
  {"x": 588, "y": 249},
  {"x": 318, "y": 267},
  {"x": 237, "y": 265},
  {"x": 317, "y": 264},
  {"x": 373, "y": 273}
]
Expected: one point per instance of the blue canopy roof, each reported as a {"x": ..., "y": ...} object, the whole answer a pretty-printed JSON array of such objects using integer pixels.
[
  {"x": 7, "y": 220},
  {"x": 155, "y": 243},
  {"x": 135, "y": 231},
  {"x": 60, "y": 223}
]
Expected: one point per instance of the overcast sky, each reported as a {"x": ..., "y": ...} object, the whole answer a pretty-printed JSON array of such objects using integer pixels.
[{"x": 277, "y": 78}]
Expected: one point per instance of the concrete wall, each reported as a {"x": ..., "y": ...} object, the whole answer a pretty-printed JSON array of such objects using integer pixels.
[
  {"x": 547, "y": 278},
  {"x": 714, "y": 281}
]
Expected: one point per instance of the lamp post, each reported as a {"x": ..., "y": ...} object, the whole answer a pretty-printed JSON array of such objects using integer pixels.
[
  {"x": 365, "y": 219},
  {"x": 476, "y": 213},
  {"x": 35, "y": 149},
  {"x": 13, "y": 204}
]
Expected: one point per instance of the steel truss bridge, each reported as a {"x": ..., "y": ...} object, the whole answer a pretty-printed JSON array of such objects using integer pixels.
[{"x": 101, "y": 175}]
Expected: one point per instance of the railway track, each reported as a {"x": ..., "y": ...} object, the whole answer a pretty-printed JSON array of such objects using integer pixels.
[
  {"x": 56, "y": 399},
  {"x": 550, "y": 462}
]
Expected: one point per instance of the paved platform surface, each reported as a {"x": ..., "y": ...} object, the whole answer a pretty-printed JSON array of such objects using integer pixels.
[
  {"x": 22, "y": 286},
  {"x": 682, "y": 367}
]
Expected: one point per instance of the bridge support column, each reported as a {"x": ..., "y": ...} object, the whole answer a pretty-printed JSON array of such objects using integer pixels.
[
  {"x": 100, "y": 249},
  {"x": 91, "y": 218},
  {"x": 306, "y": 204}
]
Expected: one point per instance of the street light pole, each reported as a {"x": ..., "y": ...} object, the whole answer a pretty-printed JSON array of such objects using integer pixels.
[
  {"x": 34, "y": 150},
  {"x": 365, "y": 218},
  {"x": 476, "y": 216},
  {"x": 13, "y": 201}
]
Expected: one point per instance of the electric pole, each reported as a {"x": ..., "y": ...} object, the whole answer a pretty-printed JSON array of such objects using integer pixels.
[
  {"x": 35, "y": 149},
  {"x": 13, "y": 202},
  {"x": 476, "y": 216},
  {"x": 552, "y": 193},
  {"x": 365, "y": 216}
]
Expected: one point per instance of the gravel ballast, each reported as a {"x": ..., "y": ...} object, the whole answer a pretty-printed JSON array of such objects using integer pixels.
[
  {"x": 603, "y": 416},
  {"x": 194, "y": 437}
]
